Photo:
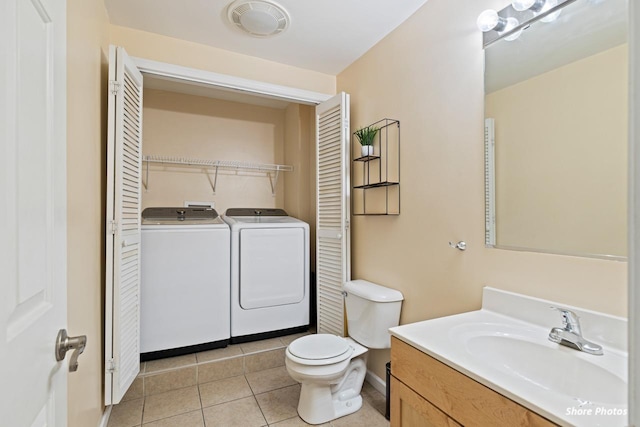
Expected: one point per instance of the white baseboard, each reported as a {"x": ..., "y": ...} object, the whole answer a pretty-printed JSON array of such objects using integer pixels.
[
  {"x": 376, "y": 382},
  {"x": 105, "y": 416}
]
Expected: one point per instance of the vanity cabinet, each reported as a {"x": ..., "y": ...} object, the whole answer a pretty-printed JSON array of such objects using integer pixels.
[{"x": 426, "y": 392}]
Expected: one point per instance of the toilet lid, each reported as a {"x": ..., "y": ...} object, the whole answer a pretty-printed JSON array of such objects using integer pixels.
[{"x": 319, "y": 346}]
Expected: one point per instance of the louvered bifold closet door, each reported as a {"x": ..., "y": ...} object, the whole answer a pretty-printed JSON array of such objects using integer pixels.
[
  {"x": 124, "y": 165},
  {"x": 333, "y": 240}
]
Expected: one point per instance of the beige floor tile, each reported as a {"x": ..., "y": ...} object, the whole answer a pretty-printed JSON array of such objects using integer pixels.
[
  {"x": 281, "y": 404},
  {"x": 296, "y": 422},
  {"x": 126, "y": 414},
  {"x": 367, "y": 416},
  {"x": 269, "y": 379},
  {"x": 270, "y": 344},
  {"x": 136, "y": 391},
  {"x": 264, "y": 360},
  {"x": 212, "y": 371},
  {"x": 241, "y": 413},
  {"x": 143, "y": 366},
  {"x": 190, "y": 419},
  {"x": 169, "y": 380},
  {"x": 225, "y": 390},
  {"x": 170, "y": 363},
  {"x": 374, "y": 398},
  {"x": 175, "y": 402},
  {"x": 290, "y": 338},
  {"x": 219, "y": 353}
]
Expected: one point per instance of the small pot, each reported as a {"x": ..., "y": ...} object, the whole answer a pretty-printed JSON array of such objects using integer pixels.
[{"x": 367, "y": 150}]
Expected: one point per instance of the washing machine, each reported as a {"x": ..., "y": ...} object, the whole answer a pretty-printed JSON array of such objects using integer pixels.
[
  {"x": 269, "y": 273},
  {"x": 185, "y": 277}
]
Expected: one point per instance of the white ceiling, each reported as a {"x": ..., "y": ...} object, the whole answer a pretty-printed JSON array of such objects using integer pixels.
[{"x": 324, "y": 35}]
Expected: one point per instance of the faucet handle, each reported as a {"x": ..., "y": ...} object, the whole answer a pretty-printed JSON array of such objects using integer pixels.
[{"x": 570, "y": 320}]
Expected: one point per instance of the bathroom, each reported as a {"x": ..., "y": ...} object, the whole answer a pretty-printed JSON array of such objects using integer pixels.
[{"x": 428, "y": 73}]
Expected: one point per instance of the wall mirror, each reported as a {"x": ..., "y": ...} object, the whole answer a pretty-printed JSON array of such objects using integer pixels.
[{"x": 556, "y": 113}]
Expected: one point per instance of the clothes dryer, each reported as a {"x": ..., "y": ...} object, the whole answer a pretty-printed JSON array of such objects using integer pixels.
[
  {"x": 269, "y": 273},
  {"x": 185, "y": 278}
]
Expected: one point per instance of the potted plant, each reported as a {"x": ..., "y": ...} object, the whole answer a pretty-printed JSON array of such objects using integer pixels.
[{"x": 365, "y": 136}]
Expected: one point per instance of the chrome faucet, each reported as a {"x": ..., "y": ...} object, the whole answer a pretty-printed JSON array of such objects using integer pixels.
[{"x": 571, "y": 335}]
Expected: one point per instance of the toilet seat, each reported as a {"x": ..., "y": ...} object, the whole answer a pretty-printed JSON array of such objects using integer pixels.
[{"x": 319, "y": 349}]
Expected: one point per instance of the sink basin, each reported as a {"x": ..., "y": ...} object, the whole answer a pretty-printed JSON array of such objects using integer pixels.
[
  {"x": 527, "y": 355},
  {"x": 505, "y": 347}
]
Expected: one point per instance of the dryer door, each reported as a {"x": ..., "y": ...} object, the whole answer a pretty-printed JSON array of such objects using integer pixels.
[{"x": 271, "y": 267}]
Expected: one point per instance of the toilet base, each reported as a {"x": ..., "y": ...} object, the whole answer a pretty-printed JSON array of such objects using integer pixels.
[{"x": 321, "y": 403}]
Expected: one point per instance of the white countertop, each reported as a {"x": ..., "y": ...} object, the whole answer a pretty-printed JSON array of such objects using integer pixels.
[{"x": 505, "y": 346}]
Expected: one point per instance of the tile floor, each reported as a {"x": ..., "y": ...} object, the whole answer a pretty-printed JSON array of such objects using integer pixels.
[{"x": 243, "y": 385}]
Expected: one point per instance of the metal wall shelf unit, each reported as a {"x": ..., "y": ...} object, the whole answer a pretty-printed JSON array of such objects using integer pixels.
[
  {"x": 212, "y": 166},
  {"x": 376, "y": 178}
]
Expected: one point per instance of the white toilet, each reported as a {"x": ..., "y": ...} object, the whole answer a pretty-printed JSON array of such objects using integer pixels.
[{"x": 332, "y": 369}]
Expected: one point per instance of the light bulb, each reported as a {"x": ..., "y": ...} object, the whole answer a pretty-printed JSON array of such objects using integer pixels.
[
  {"x": 490, "y": 20},
  {"x": 533, "y": 5},
  {"x": 511, "y": 24},
  {"x": 553, "y": 16}
]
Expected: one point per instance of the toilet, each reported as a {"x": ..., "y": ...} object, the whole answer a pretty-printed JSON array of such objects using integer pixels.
[{"x": 332, "y": 369}]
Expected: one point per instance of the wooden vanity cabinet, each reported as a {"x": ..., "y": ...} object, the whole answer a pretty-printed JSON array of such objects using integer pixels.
[{"x": 427, "y": 393}]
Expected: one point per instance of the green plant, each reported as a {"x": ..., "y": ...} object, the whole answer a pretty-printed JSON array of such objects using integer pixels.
[{"x": 366, "y": 135}]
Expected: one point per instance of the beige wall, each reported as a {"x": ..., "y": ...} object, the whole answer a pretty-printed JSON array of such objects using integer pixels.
[
  {"x": 299, "y": 151},
  {"x": 188, "y": 54},
  {"x": 178, "y": 125},
  {"x": 87, "y": 47},
  {"x": 561, "y": 157},
  {"x": 428, "y": 73}
]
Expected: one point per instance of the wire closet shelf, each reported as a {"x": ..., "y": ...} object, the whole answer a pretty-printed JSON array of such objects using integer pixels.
[{"x": 271, "y": 170}]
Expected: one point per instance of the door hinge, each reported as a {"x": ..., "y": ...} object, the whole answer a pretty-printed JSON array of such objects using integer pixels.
[
  {"x": 114, "y": 86},
  {"x": 113, "y": 226},
  {"x": 111, "y": 366}
]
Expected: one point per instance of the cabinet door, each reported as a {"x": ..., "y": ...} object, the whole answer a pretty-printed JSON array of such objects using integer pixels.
[{"x": 409, "y": 409}]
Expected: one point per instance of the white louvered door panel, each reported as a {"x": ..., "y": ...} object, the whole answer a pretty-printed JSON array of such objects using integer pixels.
[
  {"x": 124, "y": 165},
  {"x": 333, "y": 260}
]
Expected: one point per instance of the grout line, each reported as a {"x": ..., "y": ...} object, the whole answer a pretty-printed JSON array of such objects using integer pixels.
[
  {"x": 250, "y": 388},
  {"x": 204, "y": 423},
  {"x": 144, "y": 402},
  {"x": 261, "y": 411},
  {"x": 189, "y": 365},
  {"x": 227, "y": 401},
  {"x": 278, "y": 388}
]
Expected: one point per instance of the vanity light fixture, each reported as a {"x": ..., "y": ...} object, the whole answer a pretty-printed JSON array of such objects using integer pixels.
[
  {"x": 532, "y": 5},
  {"x": 489, "y": 20},
  {"x": 552, "y": 16},
  {"x": 509, "y": 22}
]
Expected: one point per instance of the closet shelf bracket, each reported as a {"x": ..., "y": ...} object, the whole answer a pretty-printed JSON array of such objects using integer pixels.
[
  {"x": 272, "y": 171},
  {"x": 273, "y": 180}
]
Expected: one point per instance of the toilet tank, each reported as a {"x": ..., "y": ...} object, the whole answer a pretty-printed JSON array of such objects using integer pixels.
[{"x": 371, "y": 310}]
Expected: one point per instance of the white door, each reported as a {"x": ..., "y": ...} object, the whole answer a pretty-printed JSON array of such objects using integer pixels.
[
  {"x": 33, "y": 295},
  {"x": 124, "y": 165},
  {"x": 333, "y": 240}
]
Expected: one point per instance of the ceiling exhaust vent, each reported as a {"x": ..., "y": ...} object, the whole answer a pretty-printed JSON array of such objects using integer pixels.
[{"x": 260, "y": 18}]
